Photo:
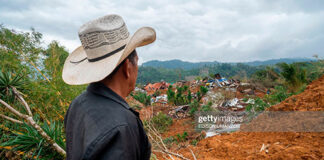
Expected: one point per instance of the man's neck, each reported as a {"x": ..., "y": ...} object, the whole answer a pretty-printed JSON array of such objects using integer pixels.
[{"x": 117, "y": 87}]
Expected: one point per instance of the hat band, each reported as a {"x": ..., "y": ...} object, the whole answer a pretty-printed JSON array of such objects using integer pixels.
[
  {"x": 107, "y": 55},
  {"x": 101, "y": 57}
]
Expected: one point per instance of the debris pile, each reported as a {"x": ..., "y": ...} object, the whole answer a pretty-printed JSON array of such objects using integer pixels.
[
  {"x": 156, "y": 86},
  {"x": 224, "y": 94},
  {"x": 179, "y": 112},
  {"x": 162, "y": 99}
]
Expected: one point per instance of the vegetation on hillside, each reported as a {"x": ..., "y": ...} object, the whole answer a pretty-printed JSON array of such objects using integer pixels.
[
  {"x": 286, "y": 80},
  {"x": 142, "y": 97},
  {"x": 35, "y": 72}
]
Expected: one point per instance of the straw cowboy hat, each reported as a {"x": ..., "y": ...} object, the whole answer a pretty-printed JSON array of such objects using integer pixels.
[{"x": 106, "y": 42}]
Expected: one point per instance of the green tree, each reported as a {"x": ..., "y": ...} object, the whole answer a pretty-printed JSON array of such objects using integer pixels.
[
  {"x": 36, "y": 73},
  {"x": 179, "y": 98},
  {"x": 170, "y": 94},
  {"x": 189, "y": 97},
  {"x": 203, "y": 90},
  {"x": 294, "y": 76},
  {"x": 194, "y": 106}
]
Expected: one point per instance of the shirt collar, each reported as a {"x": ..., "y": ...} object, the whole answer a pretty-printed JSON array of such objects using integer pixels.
[{"x": 100, "y": 89}]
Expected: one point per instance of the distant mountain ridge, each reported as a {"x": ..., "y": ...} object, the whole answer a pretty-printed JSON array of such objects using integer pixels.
[
  {"x": 176, "y": 63},
  {"x": 280, "y": 60}
]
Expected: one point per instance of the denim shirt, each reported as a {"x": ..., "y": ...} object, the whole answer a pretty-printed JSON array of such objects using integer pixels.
[{"x": 99, "y": 124}]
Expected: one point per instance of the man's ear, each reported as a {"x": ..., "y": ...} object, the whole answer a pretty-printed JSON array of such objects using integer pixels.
[{"x": 126, "y": 68}]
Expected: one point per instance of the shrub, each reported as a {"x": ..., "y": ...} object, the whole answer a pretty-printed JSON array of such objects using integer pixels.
[
  {"x": 168, "y": 141},
  {"x": 189, "y": 97},
  {"x": 177, "y": 138},
  {"x": 259, "y": 105},
  {"x": 294, "y": 75},
  {"x": 193, "y": 107},
  {"x": 161, "y": 122},
  {"x": 185, "y": 88},
  {"x": 142, "y": 97},
  {"x": 198, "y": 96},
  {"x": 203, "y": 90},
  {"x": 194, "y": 142},
  {"x": 179, "y": 98},
  {"x": 279, "y": 94},
  {"x": 182, "y": 137},
  {"x": 170, "y": 94},
  {"x": 207, "y": 107}
]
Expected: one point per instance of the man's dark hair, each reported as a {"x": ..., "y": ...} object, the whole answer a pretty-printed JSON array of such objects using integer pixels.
[{"x": 130, "y": 57}]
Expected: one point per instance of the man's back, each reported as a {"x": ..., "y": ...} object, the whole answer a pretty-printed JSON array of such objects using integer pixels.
[{"x": 100, "y": 125}]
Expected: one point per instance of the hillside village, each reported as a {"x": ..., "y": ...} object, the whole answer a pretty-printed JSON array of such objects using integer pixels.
[{"x": 223, "y": 93}]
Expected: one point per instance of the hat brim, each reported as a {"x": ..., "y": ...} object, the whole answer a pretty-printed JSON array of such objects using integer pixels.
[{"x": 86, "y": 72}]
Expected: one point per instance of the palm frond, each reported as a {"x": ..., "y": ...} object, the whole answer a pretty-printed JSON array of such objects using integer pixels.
[{"x": 32, "y": 144}]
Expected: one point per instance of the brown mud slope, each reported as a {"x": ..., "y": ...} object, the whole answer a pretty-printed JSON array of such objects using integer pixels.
[
  {"x": 312, "y": 99},
  {"x": 269, "y": 145}
]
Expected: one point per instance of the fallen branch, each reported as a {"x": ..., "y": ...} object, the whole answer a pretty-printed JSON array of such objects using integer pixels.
[
  {"x": 264, "y": 148},
  {"x": 193, "y": 155},
  {"x": 11, "y": 119},
  {"x": 171, "y": 153},
  {"x": 157, "y": 140},
  {"x": 11, "y": 109},
  {"x": 22, "y": 100}
]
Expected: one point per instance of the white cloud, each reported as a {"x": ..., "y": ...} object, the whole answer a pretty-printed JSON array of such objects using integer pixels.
[{"x": 221, "y": 30}]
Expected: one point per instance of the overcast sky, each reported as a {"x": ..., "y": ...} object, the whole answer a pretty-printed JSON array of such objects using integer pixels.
[{"x": 206, "y": 30}]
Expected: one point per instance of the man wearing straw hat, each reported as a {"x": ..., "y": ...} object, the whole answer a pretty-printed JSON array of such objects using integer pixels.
[{"x": 99, "y": 124}]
